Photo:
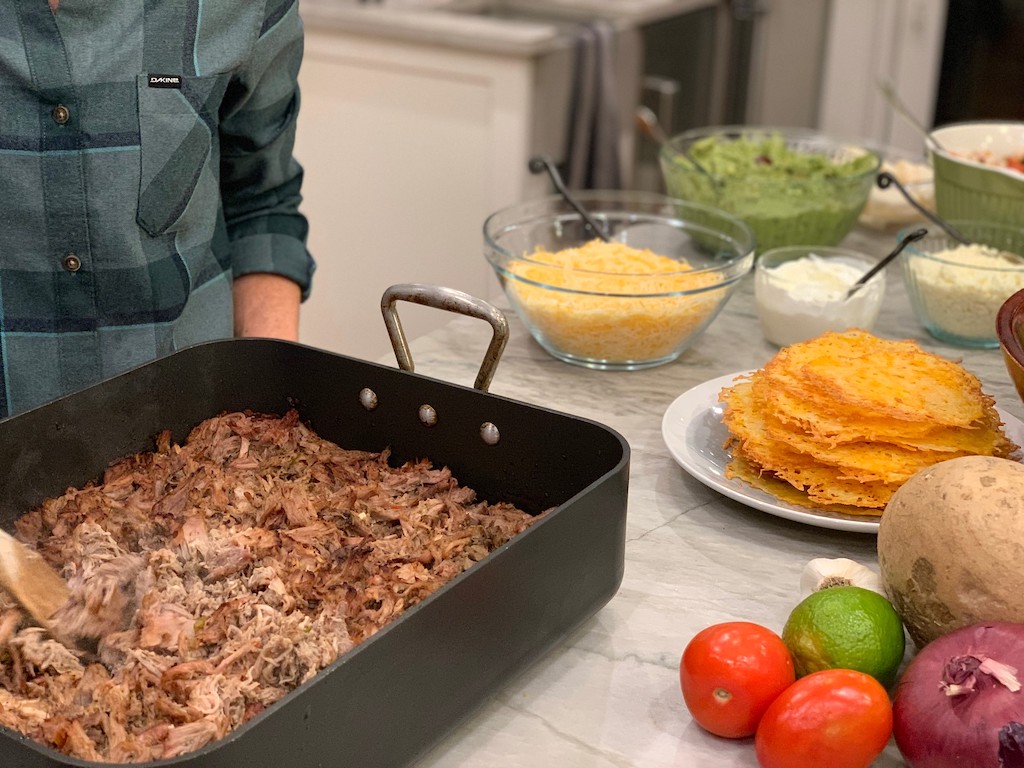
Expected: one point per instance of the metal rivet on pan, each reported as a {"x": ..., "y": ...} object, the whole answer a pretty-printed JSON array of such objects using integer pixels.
[
  {"x": 428, "y": 415},
  {"x": 368, "y": 398},
  {"x": 489, "y": 433}
]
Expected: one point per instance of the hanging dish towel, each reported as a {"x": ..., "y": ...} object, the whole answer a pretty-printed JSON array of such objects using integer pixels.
[{"x": 593, "y": 157}]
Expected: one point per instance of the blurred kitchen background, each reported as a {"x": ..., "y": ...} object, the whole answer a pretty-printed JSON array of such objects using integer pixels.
[{"x": 418, "y": 116}]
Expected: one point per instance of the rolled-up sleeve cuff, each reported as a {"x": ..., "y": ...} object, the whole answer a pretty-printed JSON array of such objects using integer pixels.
[{"x": 275, "y": 254}]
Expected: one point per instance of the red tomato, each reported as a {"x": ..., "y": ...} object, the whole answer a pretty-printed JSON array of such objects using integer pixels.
[
  {"x": 1016, "y": 163},
  {"x": 730, "y": 673},
  {"x": 837, "y": 718}
]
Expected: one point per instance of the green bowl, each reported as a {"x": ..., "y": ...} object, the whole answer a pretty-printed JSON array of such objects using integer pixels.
[
  {"x": 811, "y": 194},
  {"x": 970, "y": 190}
]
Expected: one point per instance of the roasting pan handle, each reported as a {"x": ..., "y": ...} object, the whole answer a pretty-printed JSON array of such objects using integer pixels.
[{"x": 449, "y": 300}]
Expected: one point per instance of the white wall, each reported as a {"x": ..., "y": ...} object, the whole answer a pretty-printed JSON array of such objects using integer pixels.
[
  {"x": 406, "y": 149},
  {"x": 788, "y": 49},
  {"x": 871, "y": 40}
]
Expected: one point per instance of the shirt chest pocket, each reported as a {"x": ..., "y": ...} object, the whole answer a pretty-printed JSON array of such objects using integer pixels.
[{"x": 177, "y": 130}]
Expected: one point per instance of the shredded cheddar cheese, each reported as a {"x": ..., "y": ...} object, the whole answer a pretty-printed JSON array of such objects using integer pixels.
[{"x": 611, "y": 302}]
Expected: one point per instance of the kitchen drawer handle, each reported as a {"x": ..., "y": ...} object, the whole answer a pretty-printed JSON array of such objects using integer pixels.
[{"x": 449, "y": 300}]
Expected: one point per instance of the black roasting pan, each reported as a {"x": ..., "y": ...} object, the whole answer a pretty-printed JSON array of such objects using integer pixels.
[{"x": 397, "y": 694}]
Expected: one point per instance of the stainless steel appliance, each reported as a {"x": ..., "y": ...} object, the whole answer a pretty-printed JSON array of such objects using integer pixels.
[{"x": 696, "y": 72}]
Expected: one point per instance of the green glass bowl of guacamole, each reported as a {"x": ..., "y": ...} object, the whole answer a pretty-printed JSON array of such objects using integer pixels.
[{"x": 790, "y": 186}]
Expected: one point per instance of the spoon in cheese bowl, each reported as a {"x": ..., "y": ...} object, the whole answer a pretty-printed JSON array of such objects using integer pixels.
[
  {"x": 886, "y": 179},
  {"x": 539, "y": 164}
]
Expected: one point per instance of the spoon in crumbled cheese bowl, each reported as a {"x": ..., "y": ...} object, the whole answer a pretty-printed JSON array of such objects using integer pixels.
[
  {"x": 886, "y": 180},
  {"x": 638, "y": 300},
  {"x": 956, "y": 289}
]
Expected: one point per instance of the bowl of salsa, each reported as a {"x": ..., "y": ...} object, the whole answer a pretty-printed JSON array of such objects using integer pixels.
[{"x": 979, "y": 171}]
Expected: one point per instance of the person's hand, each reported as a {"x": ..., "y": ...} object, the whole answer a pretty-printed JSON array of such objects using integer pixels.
[{"x": 267, "y": 305}]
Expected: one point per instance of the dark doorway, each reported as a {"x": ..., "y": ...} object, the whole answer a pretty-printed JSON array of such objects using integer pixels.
[{"x": 982, "y": 73}]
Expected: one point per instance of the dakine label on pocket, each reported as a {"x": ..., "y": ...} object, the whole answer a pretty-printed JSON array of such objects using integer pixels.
[{"x": 165, "y": 81}]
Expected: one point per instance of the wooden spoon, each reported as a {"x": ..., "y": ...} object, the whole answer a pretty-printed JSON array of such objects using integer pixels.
[{"x": 30, "y": 580}]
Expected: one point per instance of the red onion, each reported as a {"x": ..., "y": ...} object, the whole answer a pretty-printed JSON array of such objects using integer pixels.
[{"x": 959, "y": 703}]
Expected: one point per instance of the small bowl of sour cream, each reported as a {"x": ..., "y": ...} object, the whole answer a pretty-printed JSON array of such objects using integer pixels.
[{"x": 801, "y": 292}]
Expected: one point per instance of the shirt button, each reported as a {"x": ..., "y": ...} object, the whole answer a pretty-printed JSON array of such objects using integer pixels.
[
  {"x": 61, "y": 114},
  {"x": 72, "y": 263}
]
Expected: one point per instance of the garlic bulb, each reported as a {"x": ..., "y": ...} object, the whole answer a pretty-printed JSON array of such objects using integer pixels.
[{"x": 822, "y": 573}]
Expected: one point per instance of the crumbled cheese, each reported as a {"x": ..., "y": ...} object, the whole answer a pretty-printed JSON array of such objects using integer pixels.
[
  {"x": 611, "y": 302},
  {"x": 962, "y": 288}
]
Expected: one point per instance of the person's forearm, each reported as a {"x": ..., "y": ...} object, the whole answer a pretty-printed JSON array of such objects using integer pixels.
[{"x": 267, "y": 305}]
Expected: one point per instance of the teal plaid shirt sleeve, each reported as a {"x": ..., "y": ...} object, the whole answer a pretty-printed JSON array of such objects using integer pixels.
[{"x": 260, "y": 179}]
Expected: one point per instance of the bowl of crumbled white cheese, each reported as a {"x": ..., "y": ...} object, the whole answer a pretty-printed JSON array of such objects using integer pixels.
[
  {"x": 639, "y": 298},
  {"x": 956, "y": 289}
]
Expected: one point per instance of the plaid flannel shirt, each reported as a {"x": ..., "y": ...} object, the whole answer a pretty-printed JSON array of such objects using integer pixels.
[{"x": 145, "y": 162}]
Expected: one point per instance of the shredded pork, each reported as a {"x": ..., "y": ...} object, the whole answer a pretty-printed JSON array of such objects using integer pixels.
[{"x": 213, "y": 577}]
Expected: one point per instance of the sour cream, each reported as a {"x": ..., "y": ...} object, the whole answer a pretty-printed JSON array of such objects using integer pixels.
[{"x": 801, "y": 293}]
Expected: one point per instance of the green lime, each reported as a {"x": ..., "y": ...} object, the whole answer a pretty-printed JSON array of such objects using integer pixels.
[{"x": 846, "y": 627}]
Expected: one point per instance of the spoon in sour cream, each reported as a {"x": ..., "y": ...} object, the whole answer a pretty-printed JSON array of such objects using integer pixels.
[{"x": 917, "y": 234}]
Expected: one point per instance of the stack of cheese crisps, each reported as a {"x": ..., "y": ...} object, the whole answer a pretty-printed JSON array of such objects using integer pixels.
[{"x": 846, "y": 418}]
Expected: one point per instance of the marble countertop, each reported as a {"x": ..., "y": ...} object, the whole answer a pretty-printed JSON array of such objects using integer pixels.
[{"x": 608, "y": 696}]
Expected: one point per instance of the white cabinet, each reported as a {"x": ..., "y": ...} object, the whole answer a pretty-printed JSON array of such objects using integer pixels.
[
  {"x": 899, "y": 41},
  {"x": 406, "y": 149}
]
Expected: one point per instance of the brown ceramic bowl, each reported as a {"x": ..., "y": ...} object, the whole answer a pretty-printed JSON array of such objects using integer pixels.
[{"x": 1010, "y": 329}]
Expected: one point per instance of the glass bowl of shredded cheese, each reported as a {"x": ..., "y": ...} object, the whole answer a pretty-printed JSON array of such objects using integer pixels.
[
  {"x": 956, "y": 290},
  {"x": 636, "y": 301}
]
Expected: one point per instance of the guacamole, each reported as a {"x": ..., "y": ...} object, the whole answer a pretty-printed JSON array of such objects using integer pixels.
[{"x": 787, "y": 192}]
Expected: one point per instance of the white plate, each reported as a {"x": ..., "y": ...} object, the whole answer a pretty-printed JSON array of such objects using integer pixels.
[{"x": 693, "y": 431}]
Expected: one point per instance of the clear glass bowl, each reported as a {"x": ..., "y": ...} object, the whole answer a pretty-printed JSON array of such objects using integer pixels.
[
  {"x": 612, "y": 314},
  {"x": 956, "y": 302},
  {"x": 805, "y": 200},
  {"x": 797, "y": 306}
]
